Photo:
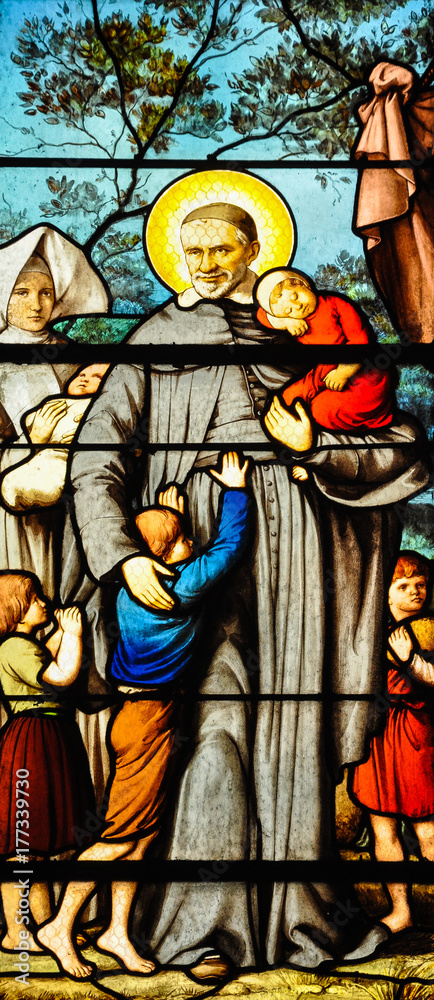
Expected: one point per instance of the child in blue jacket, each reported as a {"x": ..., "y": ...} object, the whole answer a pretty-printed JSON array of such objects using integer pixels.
[{"x": 153, "y": 651}]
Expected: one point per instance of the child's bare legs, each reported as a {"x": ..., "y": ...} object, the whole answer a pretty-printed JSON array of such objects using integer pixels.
[
  {"x": 115, "y": 939},
  {"x": 40, "y": 908},
  {"x": 424, "y": 830},
  {"x": 40, "y": 902},
  {"x": 57, "y": 935},
  {"x": 388, "y": 847}
]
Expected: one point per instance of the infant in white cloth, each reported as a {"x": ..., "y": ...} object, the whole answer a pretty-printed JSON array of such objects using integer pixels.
[{"x": 39, "y": 479}]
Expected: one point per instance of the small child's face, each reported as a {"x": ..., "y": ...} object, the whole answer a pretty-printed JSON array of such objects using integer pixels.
[
  {"x": 181, "y": 550},
  {"x": 407, "y": 595},
  {"x": 88, "y": 381},
  {"x": 293, "y": 298},
  {"x": 36, "y": 614}
]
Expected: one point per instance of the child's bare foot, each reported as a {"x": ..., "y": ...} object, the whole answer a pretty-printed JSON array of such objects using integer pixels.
[
  {"x": 397, "y": 921},
  {"x": 56, "y": 939},
  {"x": 118, "y": 945},
  {"x": 9, "y": 943}
]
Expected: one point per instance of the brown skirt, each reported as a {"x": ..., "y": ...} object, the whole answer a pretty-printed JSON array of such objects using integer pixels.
[{"x": 141, "y": 737}]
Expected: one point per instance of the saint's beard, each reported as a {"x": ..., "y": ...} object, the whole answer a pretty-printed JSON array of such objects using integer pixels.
[{"x": 218, "y": 290}]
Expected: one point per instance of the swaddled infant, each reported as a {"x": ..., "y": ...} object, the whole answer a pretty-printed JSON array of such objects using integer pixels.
[{"x": 39, "y": 479}]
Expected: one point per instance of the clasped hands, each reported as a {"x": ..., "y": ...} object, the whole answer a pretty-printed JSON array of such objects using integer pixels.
[
  {"x": 141, "y": 572},
  {"x": 401, "y": 643},
  {"x": 69, "y": 619}
]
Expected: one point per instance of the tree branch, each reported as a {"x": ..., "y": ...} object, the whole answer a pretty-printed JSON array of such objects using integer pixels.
[
  {"x": 111, "y": 220},
  {"x": 275, "y": 131},
  {"x": 118, "y": 253},
  {"x": 118, "y": 71},
  {"x": 316, "y": 53},
  {"x": 181, "y": 82},
  {"x": 244, "y": 41}
]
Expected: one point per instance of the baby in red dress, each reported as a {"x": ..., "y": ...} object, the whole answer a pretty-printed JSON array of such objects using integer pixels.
[
  {"x": 397, "y": 780},
  {"x": 341, "y": 397}
]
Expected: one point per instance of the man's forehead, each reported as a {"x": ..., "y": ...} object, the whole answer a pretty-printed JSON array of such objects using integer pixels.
[{"x": 208, "y": 229}]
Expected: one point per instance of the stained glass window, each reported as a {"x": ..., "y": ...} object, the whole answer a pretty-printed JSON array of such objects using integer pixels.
[{"x": 216, "y": 624}]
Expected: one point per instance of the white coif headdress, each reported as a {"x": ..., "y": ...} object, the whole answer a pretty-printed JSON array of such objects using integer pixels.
[{"x": 77, "y": 285}]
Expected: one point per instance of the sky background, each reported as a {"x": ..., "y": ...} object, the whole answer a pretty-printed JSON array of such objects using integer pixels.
[{"x": 321, "y": 200}]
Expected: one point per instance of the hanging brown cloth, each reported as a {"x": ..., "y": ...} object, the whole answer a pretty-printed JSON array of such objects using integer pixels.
[{"x": 394, "y": 210}]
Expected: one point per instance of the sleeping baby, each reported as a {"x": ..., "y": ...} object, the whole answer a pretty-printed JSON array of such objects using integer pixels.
[{"x": 39, "y": 479}]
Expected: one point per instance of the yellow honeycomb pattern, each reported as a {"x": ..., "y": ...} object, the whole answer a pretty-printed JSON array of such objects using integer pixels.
[{"x": 274, "y": 221}]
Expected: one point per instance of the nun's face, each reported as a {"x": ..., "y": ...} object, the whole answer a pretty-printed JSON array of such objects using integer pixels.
[{"x": 31, "y": 302}]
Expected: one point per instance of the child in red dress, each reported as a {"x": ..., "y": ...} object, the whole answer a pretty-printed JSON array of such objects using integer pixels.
[
  {"x": 341, "y": 397},
  {"x": 397, "y": 780},
  {"x": 45, "y": 783}
]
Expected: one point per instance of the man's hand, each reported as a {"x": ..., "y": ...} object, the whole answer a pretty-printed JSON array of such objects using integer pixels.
[
  {"x": 171, "y": 498},
  {"x": 338, "y": 378},
  {"x": 294, "y": 432},
  {"x": 401, "y": 643},
  {"x": 295, "y": 327},
  {"x": 140, "y": 574},
  {"x": 231, "y": 475},
  {"x": 46, "y": 420}
]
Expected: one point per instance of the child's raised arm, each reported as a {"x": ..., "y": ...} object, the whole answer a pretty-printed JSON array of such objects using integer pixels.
[
  {"x": 65, "y": 667},
  {"x": 232, "y": 475},
  {"x": 172, "y": 498}
]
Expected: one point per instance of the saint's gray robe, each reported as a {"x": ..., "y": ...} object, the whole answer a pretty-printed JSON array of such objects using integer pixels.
[{"x": 258, "y": 783}]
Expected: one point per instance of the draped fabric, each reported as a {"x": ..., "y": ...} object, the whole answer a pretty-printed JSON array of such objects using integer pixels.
[
  {"x": 258, "y": 782},
  {"x": 395, "y": 205}
]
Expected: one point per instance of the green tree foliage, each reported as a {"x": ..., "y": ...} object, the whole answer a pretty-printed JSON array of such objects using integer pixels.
[
  {"x": 11, "y": 222},
  {"x": 75, "y": 72},
  {"x": 227, "y": 72},
  {"x": 349, "y": 275},
  {"x": 305, "y": 89}
]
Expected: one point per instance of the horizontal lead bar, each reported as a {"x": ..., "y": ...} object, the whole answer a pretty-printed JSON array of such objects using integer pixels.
[
  {"x": 206, "y": 871},
  {"x": 129, "y": 163}
]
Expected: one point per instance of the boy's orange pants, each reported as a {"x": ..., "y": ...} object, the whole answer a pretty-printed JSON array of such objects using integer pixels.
[{"x": 142, "y": 740}]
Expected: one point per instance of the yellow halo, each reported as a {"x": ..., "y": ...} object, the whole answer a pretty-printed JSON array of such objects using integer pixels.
[{"x": 274, "y": 221}]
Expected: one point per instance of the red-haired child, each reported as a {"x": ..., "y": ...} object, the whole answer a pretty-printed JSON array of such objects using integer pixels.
[
  {"x": 397, "y": 780},
  {"x": 45, "y": 784}
]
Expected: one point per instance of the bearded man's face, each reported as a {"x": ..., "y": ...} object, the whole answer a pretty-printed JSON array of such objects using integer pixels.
[{"x": 216, "y": 259}]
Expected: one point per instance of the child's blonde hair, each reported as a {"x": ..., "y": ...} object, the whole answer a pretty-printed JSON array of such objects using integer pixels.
[
  {"x": 16, "y": 593},
  {"x": 160, "y": 529}
]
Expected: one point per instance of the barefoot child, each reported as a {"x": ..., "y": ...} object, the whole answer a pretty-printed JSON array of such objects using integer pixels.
[
  {"x": 45, "y": 784},
  {"x": 39, "y": 480},
  {"x": 397, "y": 780},
  {"x": 153, "y": 652},
  {"x": 340, "y": 396}
]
